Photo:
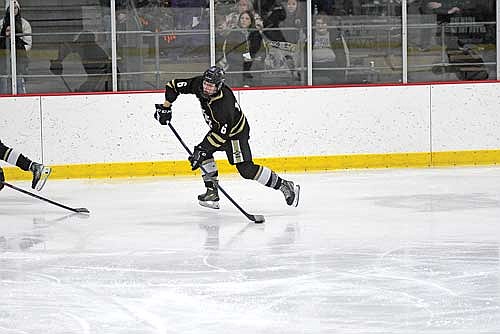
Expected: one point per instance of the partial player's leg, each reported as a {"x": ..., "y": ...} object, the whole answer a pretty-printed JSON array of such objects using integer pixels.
[
  {"x": 239, "y": 154},
  {"x": 40, "y": 172},
  {"x": 209, "y": 173},
  {"x": 2, "y": 178}
]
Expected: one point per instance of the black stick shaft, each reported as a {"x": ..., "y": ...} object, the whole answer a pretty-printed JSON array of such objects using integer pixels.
[
  {"x": 79, "y": 210},
  {"x": 255, "y": 218},
  {"x": 66, "y": 84}
]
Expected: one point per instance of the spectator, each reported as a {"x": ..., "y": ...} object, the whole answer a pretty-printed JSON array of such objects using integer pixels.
[
  {"x": 323, "y": 55},
  {"x": 232, "y": 19},
  {"x": 465, "y": 59},
  {"x": 95, "y": 61},
  {"x": 221, "y": 32},
  {"x": 280, "y": 54},
  {"x": 443, "y": 12},
  {"x": 273, "y": 14},
  {"x": 241, "y": 47},
  {"x": 23, "y": 45},
  {"x": 443, "y": 15},
  {"x": 294, "y": 21},
  {"x": 422, "y": 15},
  {"x": 293, "y": 31},
  {"x": 419, "y": 35},
  {"x": 325, "y": 6},
  {"x": 126, "y": 20}
]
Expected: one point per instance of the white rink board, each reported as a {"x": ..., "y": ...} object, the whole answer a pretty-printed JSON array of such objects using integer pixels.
[
  {"x": 283, "y": 123},
  {"x": 20, "y": 126},
  {"x": 114, "y": 128},
  {"x": 465, "y": 117},
  {"x": 287, "y": 122},
  {"x": 325, "y": 121}
]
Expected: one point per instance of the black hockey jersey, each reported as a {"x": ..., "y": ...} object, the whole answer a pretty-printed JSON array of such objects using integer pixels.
[{"x": 221, "y": 112}]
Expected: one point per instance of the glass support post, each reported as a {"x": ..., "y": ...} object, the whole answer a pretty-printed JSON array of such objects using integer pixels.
[
  {"x": 114, "y": 66},
  {"x": 13, "y": 59},
  {"x": 404, "y": 39},
  {"x": 498, "y": 39},
  {"x": 212, "y": 32},
  {"x": 309, "y": 43}
]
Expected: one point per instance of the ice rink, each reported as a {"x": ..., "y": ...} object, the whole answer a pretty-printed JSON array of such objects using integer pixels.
[{"x": 375, "y": 251}]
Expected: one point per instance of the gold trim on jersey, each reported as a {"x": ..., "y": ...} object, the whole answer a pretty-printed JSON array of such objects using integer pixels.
[
  {"x": 217, "y": 97},
  {"x": 219, "y": 138},
  {"x": 239, "y": 126},
  {"x": 171, "y": 84},
  {"x": 215, "y": 139}
]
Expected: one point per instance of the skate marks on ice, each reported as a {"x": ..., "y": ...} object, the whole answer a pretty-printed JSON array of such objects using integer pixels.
[
  {"x": 150, "y": 260},
  {"x": 413, "y": 288},
  {"x": 438, "y": 202}
]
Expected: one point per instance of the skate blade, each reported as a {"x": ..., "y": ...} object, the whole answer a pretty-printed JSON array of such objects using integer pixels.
[
  {"x": 297, "y": 194},
  {"x": 210, "y": 204},
  {"x": 43, "y": 178}
]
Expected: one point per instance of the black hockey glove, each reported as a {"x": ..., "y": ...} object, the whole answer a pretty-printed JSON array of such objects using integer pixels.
[
  {"x": 56, "y": 67},
  {"x": 199, "y": 155},
  {"x": 163, "y": 114}
]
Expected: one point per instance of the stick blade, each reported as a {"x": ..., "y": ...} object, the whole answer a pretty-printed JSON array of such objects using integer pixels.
[
  {"x": 82, "y": 210},
  {"x": 257, "y": 219}
]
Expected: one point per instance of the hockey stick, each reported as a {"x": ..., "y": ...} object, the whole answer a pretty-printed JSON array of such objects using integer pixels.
[
  {"x": 255, "y": 218},
  {"x": 77, "y": 210},
  {"x": 66, "y": 84}
]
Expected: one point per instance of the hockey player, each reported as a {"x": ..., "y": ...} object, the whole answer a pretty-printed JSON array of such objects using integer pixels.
[
  {"x": 40, "y": 172},
  {"x": 229, "y": 132}
]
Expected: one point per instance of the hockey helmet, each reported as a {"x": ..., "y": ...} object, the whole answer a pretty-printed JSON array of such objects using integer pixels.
[{"x": 214, "y": 75}]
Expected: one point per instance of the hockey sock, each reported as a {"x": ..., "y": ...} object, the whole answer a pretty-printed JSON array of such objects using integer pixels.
[
  {"x": 268, "y": 178},
  {"x": 212, "y": 172},
  {"x": 15, "y": 158}
]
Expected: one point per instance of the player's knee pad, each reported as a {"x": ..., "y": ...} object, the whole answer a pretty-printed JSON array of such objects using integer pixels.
[{"x": 247, "y": 169}]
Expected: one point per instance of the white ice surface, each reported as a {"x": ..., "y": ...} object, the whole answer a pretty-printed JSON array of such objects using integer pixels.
[{"x": 386, "y": 251}]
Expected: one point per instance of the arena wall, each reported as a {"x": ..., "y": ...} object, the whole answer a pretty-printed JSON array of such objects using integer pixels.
[{"x": 300, "y": 129}]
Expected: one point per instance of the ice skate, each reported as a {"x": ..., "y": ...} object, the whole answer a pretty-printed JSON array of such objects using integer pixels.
[
  {"x": 2, "y": 178},
  {"x": 209, "y": 199},
  {"x": 40, "y": 175},
  {"x": 291, "y": 192}
]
